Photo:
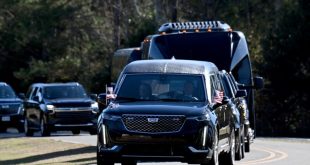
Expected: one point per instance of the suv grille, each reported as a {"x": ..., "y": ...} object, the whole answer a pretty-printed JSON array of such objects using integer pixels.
[
  {"x": 74, "y": 114},
  {"x": 7, "y": 109},
  {"x": 153, "y": 123}
]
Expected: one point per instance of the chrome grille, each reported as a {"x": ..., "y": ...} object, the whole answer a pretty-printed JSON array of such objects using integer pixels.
[
  {"x": 153, "y": 123},
  {"x": 73, "y": 114}
]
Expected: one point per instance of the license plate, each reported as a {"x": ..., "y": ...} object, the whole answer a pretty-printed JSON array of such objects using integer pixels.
[{"x": 6, "y": 118}]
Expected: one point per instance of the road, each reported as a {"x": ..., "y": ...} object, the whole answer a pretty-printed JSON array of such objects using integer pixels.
[{"x": 265, "y": 151}]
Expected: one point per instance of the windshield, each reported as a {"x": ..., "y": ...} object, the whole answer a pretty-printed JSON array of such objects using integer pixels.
[
  {"x": 164, "y": 87},
  {"x": 6, "y": 92},
  {"x": 56, "y": 92}
]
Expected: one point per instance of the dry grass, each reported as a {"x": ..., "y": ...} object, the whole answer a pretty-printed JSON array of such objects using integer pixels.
[{"x": 23, "y": 150}]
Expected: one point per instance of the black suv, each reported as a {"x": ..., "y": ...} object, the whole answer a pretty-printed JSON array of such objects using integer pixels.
[
  {"x": 238, "y": 97},
  {"x": 59, "y": 106},
  {"x": 11, "y": 109},
  {"x": 167, "y": 110}
]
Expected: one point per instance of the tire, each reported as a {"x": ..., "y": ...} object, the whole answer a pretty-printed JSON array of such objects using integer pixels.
[
  {"x": 102, "y": 161},
  {"x": 239, "y": 144},
  {"x": 247, "y": 144},
  {"x": 93, "y": 132},
  {"x": 21, "y": 128},
  {"x": 129, "y": 162},
  {"x": 76, "y": 132},
  {"x": 2, "y": 130},
  {"x": 28, "y": 131},
  {"x": 43, "y": 128},
  {"x": 215, "y": 156},
  {"x": 229, "y": 158}
]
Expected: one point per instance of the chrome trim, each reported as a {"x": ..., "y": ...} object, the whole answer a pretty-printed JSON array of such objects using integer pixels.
[
  {"x": 73, "y": 125},
  {"x": 204, "y": 135},
  {"x": 104, "y": 134},
  {"x": 78, "y": 109}
]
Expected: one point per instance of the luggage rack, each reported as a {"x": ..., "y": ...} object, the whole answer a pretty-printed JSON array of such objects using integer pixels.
[{"x": 202, "y": 26}]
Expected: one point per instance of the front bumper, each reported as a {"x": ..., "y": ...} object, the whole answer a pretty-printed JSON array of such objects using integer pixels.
[
  {"x": 70, "y": 121},
  {"x": 155, "y": 152},
  {"x": 191, "y": 144},
  {"x": 11, "y": 120}
]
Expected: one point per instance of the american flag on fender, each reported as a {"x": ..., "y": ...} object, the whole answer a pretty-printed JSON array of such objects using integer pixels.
[
  {"x": 109, "y": 94},
  {"x": 218, "y": 98}
]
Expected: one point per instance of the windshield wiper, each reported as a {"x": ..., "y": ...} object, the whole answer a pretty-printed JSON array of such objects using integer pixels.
[
  {"x": 129, "y": 99},
  {"x": 170, "y": 100}
]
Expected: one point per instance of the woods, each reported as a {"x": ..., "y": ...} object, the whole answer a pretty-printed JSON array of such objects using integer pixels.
[{"x": 63, "y": 40}]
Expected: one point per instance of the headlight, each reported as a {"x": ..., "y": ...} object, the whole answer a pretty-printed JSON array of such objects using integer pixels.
[
  {"x": 21, "y": 109},
  {"x": 94, "y": 107},
  {"x": 50, "y": 108},
  {"x": 110, "y": 117},
  {"x": 205, "y": 117}
]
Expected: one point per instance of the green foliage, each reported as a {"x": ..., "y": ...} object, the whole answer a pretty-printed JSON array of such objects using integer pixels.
[
  {"x": 286, "y": 67},
  {"x": 53, "y": 41}
]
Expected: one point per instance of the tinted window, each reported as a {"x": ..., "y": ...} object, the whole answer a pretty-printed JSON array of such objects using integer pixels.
[
  {"x": 55, "y": 92},
  {"x": 159, "y": 86},
  {"x": 6, "y": 92}
]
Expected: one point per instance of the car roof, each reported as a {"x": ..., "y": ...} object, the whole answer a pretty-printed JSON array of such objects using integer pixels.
[
  {"x": 3, "y": 84},
  {"x": 170, "y": 66},
  {"x": 56, "y": 84}
]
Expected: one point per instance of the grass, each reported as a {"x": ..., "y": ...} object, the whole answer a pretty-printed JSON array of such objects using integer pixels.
[{"x": 23, "y": 150}]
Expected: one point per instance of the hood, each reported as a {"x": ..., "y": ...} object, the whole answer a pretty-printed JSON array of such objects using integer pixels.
[
  {"x": 10, "y": 100},
  {"x": 71, "y": 102},
  {"x": 158, "y": 108}
]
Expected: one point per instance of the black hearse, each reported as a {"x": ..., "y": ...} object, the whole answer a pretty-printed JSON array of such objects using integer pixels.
[
  {"x": 167, "y": 110},
  {"x": 212, "y": 41}
]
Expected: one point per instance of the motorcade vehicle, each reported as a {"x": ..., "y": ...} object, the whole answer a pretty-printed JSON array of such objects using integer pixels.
[
  {"x": 59, "y": 106},
  {"x": 237, "y": 96},
  {"x": 11, "y": 109},
  {"x": 213, "y": 41},
  {"x": 167, "y": 110}
]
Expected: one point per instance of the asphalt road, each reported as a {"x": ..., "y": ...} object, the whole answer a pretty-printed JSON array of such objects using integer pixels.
[{"x": 264, "y": 151}]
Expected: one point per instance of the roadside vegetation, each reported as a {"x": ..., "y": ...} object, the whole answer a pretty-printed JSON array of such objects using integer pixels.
[{"x": 23, "y": 150}]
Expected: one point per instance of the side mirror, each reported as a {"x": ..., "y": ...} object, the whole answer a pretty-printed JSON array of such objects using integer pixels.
[
  {"x": 36, "y": 98},
  {"x": 101, "y": 99},
  {"x": 225, "y": 100},
  {"x": 93, "y": 96},
  {"x": 241, "y": 93},
  {"x": 241, "y": 86},
  {"x": 22, "y": 96},
  {"x": 258, "y": 82},
  {"x": 215, "y": 105}
]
